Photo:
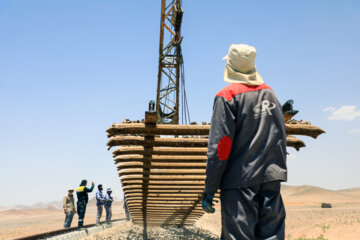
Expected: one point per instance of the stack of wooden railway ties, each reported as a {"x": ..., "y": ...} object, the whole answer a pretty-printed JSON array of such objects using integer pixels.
[{"x": 162, "y": 166}]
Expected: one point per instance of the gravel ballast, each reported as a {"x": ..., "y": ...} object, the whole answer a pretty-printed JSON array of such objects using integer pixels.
[{"x": 131, "y": 231}]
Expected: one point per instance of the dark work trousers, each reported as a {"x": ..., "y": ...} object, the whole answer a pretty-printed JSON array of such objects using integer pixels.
[
  {"x": 127, "y": 214},
  {"x": 99, "y": 213},
  {"x": 81, "y": 208},
  {"x": 108, "y": 213},
  {"x": 255, "y": 212}
]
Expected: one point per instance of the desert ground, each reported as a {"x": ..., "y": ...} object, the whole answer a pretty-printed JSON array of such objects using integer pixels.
[
  {"x": 305, "y": 218},
  {"x": 16, "y": 223}
]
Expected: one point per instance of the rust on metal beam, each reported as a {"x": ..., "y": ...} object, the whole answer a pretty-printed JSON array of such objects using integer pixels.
[
  {"x": 288, "y": 116},
  {"x": 294, "y": 142},
  {"x": 178, "y": 183},
  {"x": 150, "y": 122},
  {"x": 304, "y": 129},
  {"x": 180, "y": 142},
  {"x": 168, "y": 151},
  {"x": 164, "y": 142},
  {"x": 163, "y": 165},
  {"x": 161, "y": 129},
  {"x": 161, "y": 158},
  {"x": 171, "y": 129},
  {"x": 199, "y": 172},
  {"x": 168, "y": 177},
  {"x": 157, "y": 187}
]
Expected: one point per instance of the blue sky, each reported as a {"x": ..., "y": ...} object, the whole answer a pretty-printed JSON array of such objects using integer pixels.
[{"x": 69, "y": 69}]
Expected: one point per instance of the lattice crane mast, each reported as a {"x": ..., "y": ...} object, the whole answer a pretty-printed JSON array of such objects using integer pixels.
[{"x": 170, "y": 73}]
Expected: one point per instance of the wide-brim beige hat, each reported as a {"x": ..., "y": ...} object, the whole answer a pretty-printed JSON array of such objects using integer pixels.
[{"x": 240, "y": 65}]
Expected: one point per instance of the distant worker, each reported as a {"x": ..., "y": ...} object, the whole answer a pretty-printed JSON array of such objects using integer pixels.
[
  {"x": 126, "y": 209},
  {"x": 246, "y": 152},
  {"x": 69, "y": 207},
  {"x": 100, "y": 200},
  {"x": 108, "y": 203},
  {"x": 82, "y": 200}
]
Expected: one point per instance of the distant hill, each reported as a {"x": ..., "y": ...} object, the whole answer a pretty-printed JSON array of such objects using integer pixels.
[
  {"x": 351, "y": 191},
  {"x": 292, "y": 195},
  {"x": 26, "y": 212},
  {"x": 55, "y": 205},
  {"x": 92, "y": 201},
  {"x": 51, "y": 205},
  {"x": 311, "y": 195}
]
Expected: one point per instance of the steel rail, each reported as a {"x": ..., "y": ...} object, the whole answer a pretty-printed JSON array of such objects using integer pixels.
[{"x": 59, "y": 232}]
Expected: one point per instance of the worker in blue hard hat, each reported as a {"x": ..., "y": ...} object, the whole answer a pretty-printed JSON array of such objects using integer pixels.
[
  {"x": 246, "y": 152},
  {"x": 82, "y": 200}
]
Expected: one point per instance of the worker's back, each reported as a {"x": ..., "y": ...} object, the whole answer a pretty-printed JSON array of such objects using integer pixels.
[
  {"x": 254, "y": 145},
  {"x": 246, "y": 152},
  {"x": 82, "y": 194}
]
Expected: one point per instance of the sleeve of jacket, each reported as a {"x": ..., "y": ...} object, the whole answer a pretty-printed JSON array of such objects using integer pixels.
[
  {"x": 89, "y": 189},
  {"x": 64, "y": 202},
  {"x": 99, "y": 197},
  {"x": 220, "y": 141},
  {"x": 102, "y": 199},
  {"x": 108, "y": 198}
]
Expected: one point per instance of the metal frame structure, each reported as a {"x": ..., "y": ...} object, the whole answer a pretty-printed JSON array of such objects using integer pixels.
[
  {"x": 170, "y": 62},
  {"x": 162, "y": 167}
]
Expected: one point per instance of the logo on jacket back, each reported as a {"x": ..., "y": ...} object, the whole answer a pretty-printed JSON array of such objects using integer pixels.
[{"x": 263, "y": 108}]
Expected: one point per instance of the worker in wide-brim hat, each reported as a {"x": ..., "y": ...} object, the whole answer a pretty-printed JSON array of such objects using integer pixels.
[
  {"x": 69, "y": 207},
  {"x": 246, "y": 152},
  {"x": 240, "y": 66}
]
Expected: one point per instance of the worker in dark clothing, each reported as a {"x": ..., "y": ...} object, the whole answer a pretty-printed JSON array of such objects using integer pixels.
[
  {"x": 82, "y": 200},
  {"x": 246, "y": 153}
]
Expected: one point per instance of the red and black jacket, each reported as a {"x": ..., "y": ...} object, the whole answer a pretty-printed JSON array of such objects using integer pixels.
[{"x": 247, "y": 141}]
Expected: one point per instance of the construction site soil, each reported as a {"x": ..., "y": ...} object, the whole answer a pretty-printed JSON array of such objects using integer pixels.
[
  {"x": 15, "y": 223},
  {"x": 305, "y": 219},
  {"x": 129, "y": 231}
]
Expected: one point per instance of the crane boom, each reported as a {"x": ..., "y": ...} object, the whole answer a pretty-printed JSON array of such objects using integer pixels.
[{"x": 170, "y": 62}]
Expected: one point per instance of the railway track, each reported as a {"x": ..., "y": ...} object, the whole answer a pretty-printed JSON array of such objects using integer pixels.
[
  {"x": 65, "y": 232},
  {"x": 162, "y": 167}
]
